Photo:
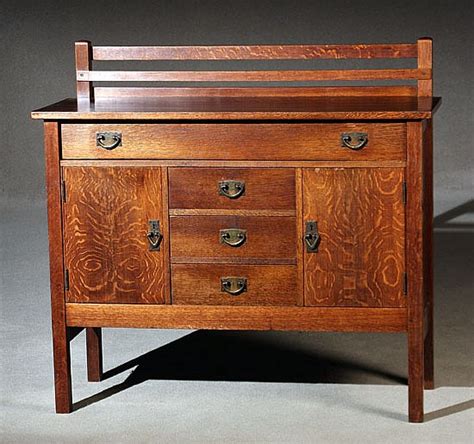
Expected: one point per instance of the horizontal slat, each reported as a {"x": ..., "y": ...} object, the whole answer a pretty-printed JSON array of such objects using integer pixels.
[
  {"x": 253, "y": 76},
  {"x": 227, "y": 212},
  {"x": 238, "y": 164},
  {"x": 321, "y": 91},
  {"x": 264, "y": 52},
  {"x": 234, "y": 261},
  {"x": 237, "y": 318}
]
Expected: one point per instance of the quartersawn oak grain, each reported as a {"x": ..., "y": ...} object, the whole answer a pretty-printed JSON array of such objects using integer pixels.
[
  {"x": 255, "y": 52},
  {"x": 200, "y": 284},
  {"x": 265, "y": 188},
  {"x": 106, "y": 216},
  {"x": 319, "y": 141},
  {"x": 361, "y": 220}
]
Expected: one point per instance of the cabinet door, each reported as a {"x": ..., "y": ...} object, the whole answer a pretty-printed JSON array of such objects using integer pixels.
[
  {"x": 360, "y": 216},
  {"x": 106, "y": 216}
]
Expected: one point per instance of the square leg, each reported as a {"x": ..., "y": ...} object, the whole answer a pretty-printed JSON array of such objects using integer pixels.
[
  {"x": 62, "y": 370},
  {"x": 429, "y": 349},
  {"x": 416, "y": 361},
  {"x": 94, "y": 354}
]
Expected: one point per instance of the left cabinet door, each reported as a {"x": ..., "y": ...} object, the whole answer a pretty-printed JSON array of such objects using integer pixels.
[{"x": 107, "y": 215}]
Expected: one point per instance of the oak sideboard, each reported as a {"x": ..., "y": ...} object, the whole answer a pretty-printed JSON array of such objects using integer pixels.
[{"x": 243, "y": 199}]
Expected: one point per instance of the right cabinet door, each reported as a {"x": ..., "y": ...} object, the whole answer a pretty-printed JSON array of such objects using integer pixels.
[{"x": 359, "y": 258}]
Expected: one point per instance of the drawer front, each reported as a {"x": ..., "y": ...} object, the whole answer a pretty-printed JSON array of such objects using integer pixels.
[
  {"x": 234, "y": 284},
  {"x": 232, "y": 188},
  {"x": 239, "y": 141},
  {"x": 253, "y": 239}
]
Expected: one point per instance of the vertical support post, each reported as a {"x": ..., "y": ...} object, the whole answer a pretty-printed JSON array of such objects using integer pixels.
[
  {"x": 415, "y": 257},
  {"x": 425, "y": 60},
  {"x": 166, "y": 241},
  {"x": 300, "y": 235},
  {"x": 428, "y": 254},
  {"x": 83, "y": 55},
  {"x": 61, "y": 352},
  {"x": 94, "y": 354},
  {"x": 425, "y": 89}
]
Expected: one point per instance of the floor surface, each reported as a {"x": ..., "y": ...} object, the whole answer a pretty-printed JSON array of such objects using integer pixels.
[{"x": 234, "y": 387}]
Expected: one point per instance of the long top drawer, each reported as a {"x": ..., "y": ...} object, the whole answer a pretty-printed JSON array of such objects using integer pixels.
[{"x": 236, "y": 141}]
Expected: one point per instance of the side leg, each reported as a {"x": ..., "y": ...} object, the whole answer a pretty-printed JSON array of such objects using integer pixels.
[
  {"x": 61, "y": 353},
  {"x": 429, "y": 349},
  {"x": 428, "y": 229},
  {"x": 415, "y": 374},
  {"x": 416, "y": 269},
  {"x": 94, "y": 354}
]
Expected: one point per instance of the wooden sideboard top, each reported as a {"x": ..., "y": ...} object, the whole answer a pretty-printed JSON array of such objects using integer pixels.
[
  {"x": 243, "y": 108},
  {"x": 409, "y": 99}
]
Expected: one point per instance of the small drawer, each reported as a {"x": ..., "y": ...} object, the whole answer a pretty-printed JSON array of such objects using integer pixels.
[
  {"x": 232, "y": 188},
  {"x": 204, "y": 284},
  {"x": 236, "y": 141},
  {"x": 237, "y": 239}
]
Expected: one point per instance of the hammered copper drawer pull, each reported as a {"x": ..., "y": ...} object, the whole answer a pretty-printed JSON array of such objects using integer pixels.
[
  {"x": 234, "y": 237},
  {"x": 109, "y": 140},
  {"x": 354, "y": 141},
  {"x": 232, "y": 189},
  {"x": 234, "y": 285}
]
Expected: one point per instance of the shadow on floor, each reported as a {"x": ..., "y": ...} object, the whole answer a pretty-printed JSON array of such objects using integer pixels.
[
  {"x": 450, "y": 410},
  {"x": 445, "y": 220},
  {"x": 235, "y": 356},
  {"x": 240, "y": 356}
]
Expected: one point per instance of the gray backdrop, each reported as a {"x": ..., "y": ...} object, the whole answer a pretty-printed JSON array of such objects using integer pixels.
[
  {"x": 180, "y": 386},
  {"x": 37, "y": 65}
]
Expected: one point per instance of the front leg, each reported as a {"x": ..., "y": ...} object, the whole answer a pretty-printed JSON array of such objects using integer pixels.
[
  {"x": 62, "y": 367},
  {"x": 416, "y": 271},
  {"x": 415, "y": 374}
]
